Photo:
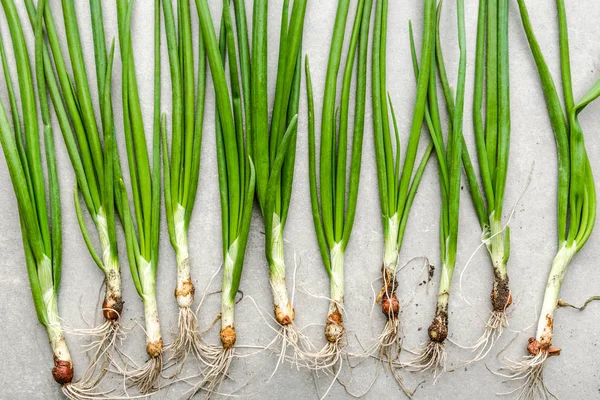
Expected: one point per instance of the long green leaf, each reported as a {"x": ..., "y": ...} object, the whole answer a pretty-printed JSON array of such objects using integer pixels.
[{"x": 312, "y": 173}]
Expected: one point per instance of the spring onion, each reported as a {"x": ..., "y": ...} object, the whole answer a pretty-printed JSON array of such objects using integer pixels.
[
  {"x": 576, "y": 199},
  {"x": 433, "y": 356},
  {"x": 93, "y": 165},
  {"x": 181, "y": 170},
  {"x": 492, "y": 137},
  {"x": 334, "y": 214},
  {"x": 397, "y": 187},
  {"x": 236, "y": 180},
  {"x": 273, "y": 153},
  {"x": 41, "y": 228},
  {"x": 142, "y": 229}
]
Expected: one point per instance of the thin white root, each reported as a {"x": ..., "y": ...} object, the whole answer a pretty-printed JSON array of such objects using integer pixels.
[
  {"x": 146, "y": 377},
  {"x": 529, "y": 371},
  {"x": 388, "y": 346},
  {"x": 218, "y": 361},
  {"x": 103, "y": 341},
  {"x": 187, "y": 341},
  {"x": 329, "y": 361},
  {"x": 293, "y": 346},
  {"x": 431, "y": 357},
  {"x": 494, "y": 327},
  {"x": 385, "y": 349},
  {"x": 327, "y": 358},
  {"x": 288, "y": 339},
  {"x": 79, "y": 391}
]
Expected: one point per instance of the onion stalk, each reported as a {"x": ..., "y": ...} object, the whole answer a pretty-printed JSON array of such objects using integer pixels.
[
  {"x": 492, "y": 137},
  {"x": 397, "y": 186},
  {"x": 236, "y": 180},
  {"x": 493, "y": 145},
  {"x": 92, "y": 163},
  {"x": 576, "y": 199},
  {"x": 274, "y": 156},
  {"x": 41, "y": 228},
  {"x": 142, "y": 229},
  {"x": 182, "y": 168},
  {"x": 334, "y": 202},
  {"x": 433, "y": 356}
]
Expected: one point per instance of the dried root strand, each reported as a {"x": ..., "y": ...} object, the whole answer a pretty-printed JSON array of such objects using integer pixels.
[
  {"x": 331, "y": 355},
  {"x": 530, "y": 372},
  {"x": 501, "y": 299},
  {"x": 562, "y": 303},
  {"x": 293, "y": 346},
  {"x": 387, "y": 346},
  {"x": 386, "y": 349},
  {"x": 101, "y": 349},
  {"x": 329, "y": 361},
  {"x": 146, "y": 377},
  {"x": 494, "y": 327},
  {"x": 187, "y": 340},
  {"x": 388, "y": 343},
  {"x": 432, "y": 357},
  {"x": 290, "y": 343},
  {"x": 218, "y": 360},
  {"x": 78, "y": 391}
]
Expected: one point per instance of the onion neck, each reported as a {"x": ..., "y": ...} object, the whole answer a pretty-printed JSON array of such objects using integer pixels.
[
  {"x": 445, "y": 283},
  {"x": 390, "y": 249},
  {"x": 496, "y": 247},
  {"x": 63, "y": 365},
  {"x": 113, "y": 300},
  {"x": 337, "y": 276},
  {"x": 184, "y": 291},
  {"x": 557, "y": 274},
  {"x": 228, "y": 297},
  {"x": 154, "y": 342},
  {"x": 284, "y": 312},
  {"x": 334, "y": 328}
]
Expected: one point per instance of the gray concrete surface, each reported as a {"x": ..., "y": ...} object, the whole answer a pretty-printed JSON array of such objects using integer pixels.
[{"x": 26, "y": 357}]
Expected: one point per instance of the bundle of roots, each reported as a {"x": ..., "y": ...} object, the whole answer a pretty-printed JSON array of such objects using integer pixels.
[{"x": 432, "y": 357}]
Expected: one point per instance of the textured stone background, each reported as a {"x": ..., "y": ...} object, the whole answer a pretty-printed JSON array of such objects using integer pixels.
[{"x": 26, "y": 357}]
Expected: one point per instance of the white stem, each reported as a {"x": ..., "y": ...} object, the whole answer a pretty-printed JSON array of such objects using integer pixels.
[
  {"x": 111, "y": 265},
  {"x": 148, "y": 283},
  {"x": 283, "y": 307},
  {"x": 557, "y": 274},
  {"x": 53, "y": 327},
  {"x": 495, "y": 246},
  {"x": 445, "y": 283},
  {"x": 56, "y": 336},
  {"x": 337, "y": 278},
  {"x": 390, "y": 250},
  {"x": 113, "y": 278},
  {"x": 62, "y": 374},
  {"x": 228, "y": 298},
  {"x": 102, "y": 225},
  {"x": 184, "y": 291}
]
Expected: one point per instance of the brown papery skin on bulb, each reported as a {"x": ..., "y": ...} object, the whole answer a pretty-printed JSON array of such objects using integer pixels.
[
  {"x": 544, "y": 345},
  {"x": 501, "y": 297},
  {"x": 285, "y": 317},
  {"x": 112, "y": 307},
  {"x": 334, "y": 328},
  {"x": 438, "y": 330},
  {"x": 228, "y": 337},
  {"x": 187, "y": 288},
  {"x": 62, "y": 371},
  {"x": 154, "y": 349}
]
